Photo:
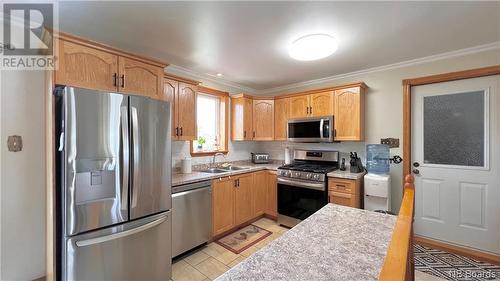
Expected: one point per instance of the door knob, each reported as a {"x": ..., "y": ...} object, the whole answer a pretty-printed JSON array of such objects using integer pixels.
[
  {"x": 416, "y": 171},
  {"x": 416, "y": 164}
]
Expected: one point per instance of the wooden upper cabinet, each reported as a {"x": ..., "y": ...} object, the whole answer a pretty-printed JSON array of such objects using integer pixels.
[
  {"x": 139, "y": 78},
  {"x": 321, "y": 104},
  {"x": 299, "y": 106},
  {"x": 241, "y": 118},
  {"x": 243, "y": 209},
  {"x": 281, "y": 115},
  {"x": 222, "y": 205},
  {"x": 186, "y": 110},
  {"x": 86, "y": 67},
  {"x": 349, "y": 114},
  {"x": 259, "y": 196},
  {"x": 263, "y": 119},
  {"x": 90, "y": 65},
  {"x": 170, "y": 88}
]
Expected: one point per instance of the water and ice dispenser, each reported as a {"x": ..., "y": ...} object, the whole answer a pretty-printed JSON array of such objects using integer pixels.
[{"x": 377, "y": 181}]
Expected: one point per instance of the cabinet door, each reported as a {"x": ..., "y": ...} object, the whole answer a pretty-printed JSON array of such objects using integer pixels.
[
  {"x": 281, "y": 114},
  {"x": 237, "y": 123},
  {"x": 349, "y": 114},
  {"x": 321, "y": 104},
  {"x": 139, "y": 78},
  {"x": 263, "y": 119},
  {"x": 248, "y": 119},
  {"x": 299, "y": 106},
  {"x": 222, "y": 205},
  {"x": 86, "y": 67},
  {"x": 344, "y": 199},
  {"x": 243, "y": 210},
  {"x": 241, "y": 119},
  {"x": 170, "y": 88},
  {"x": 272, "y": 195},
  {"x": 186, "y": 108},
  {"x": 259, "y": 191}
]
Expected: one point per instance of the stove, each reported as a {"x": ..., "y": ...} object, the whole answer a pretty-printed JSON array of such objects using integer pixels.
[{"x": 302, "y": 185}]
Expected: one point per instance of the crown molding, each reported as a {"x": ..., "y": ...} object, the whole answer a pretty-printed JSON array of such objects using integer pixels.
[
  {"x": 442, "y": 56},
  {"x": 199, "y": 76}
]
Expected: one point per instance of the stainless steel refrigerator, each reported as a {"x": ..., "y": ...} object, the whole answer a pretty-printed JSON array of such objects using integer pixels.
[{"x": 113, "y": 187}]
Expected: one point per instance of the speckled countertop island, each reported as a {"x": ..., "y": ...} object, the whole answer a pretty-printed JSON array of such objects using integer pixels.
[{"x": 336, "y": 243}]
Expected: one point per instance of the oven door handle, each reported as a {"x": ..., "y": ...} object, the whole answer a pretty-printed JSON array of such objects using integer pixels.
[{"x": 303, "y": 184}]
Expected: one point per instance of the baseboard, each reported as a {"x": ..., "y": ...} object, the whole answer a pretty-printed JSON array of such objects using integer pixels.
[
  {"x": 40, "y": 279},
  {"x": 460, "y": 250}
]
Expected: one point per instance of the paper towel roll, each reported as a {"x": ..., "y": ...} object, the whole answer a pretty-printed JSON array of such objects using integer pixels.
[{"x": 186, "y": 165}]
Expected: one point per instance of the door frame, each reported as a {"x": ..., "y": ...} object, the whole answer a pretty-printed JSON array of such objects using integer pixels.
[{"x": 407, "y": 106}]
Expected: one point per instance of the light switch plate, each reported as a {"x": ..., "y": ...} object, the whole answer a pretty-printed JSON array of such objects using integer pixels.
[
  {"x": 15, "y": 143},
  {"x": 391, "y": 142}
]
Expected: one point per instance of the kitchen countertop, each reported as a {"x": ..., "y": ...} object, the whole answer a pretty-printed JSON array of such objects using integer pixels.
[
  {"x": 196, "y": 176},
  {"x": 335, "y": 243},
  {"x": 346, "y": 175}
]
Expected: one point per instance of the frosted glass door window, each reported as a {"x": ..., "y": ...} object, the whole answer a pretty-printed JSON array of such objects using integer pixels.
[{"x": 454, "y": 129}]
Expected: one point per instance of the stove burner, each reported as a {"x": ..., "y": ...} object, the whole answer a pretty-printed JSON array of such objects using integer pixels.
[{"x": 308, "y": 167}]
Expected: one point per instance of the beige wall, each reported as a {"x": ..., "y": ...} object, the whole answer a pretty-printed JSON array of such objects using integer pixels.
[{"x": 22, "y": 199}]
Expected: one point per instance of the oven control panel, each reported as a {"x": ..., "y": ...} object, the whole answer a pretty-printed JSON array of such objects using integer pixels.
[{"x": 301, "y": 175}]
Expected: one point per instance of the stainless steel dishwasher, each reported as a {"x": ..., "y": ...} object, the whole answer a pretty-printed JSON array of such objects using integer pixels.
[{"x": 191, "y": 216}]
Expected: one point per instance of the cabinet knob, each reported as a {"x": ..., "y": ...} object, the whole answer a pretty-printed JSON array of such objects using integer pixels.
[
  {"x": 115, "y": 77},
  {"x": 123, "y": 80},
  {"x": 181, "y": 131}
]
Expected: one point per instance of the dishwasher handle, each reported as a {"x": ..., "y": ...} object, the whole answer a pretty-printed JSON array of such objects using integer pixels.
[{"x": 190, "y": 191}]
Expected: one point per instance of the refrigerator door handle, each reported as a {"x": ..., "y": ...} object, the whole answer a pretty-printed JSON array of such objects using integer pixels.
[
  {"x": 136, "y": 155},
  {"x": 126, "y": 158},
  {"x": 119, "y": 235}
]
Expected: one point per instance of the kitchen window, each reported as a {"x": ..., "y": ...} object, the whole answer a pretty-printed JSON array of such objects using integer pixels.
[{"x": 211, "y": 122}]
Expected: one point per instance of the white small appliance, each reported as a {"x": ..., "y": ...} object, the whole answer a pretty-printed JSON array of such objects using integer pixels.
[{"x": 377, "y": 192}]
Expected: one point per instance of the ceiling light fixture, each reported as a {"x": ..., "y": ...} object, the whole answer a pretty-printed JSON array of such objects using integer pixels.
[
  {"x": 219, "y": 74},
  {"x": 313, "y": 47}
]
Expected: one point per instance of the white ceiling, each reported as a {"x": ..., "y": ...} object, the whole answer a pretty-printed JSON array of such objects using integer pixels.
[{"x": 247, "y": 41}]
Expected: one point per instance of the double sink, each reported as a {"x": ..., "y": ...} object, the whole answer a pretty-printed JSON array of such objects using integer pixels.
[{"x": 224, "y": 170}]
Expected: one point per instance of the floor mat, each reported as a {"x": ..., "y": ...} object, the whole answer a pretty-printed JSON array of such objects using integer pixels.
[
  {"x": 243, "y": 238},
  {"x": 453, "y": 267}
]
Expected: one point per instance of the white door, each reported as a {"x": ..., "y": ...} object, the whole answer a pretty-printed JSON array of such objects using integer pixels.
[{"x": 455, "y": 161}]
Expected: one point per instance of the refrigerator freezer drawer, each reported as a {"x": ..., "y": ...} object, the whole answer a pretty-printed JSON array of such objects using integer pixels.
[{"x": 137, "y": 250}]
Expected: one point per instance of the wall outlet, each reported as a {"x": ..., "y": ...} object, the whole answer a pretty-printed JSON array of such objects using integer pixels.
[{"x": 391, "y": 142}]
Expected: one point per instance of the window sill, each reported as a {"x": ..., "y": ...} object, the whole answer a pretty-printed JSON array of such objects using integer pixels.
[{"x": 206, "y": 153}]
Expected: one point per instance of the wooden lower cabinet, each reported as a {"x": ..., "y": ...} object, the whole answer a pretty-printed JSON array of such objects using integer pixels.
[
  {"x": 222, "y": 205},
  {"x": 344, "y": 199},
  {"x": 243, "y": 210},
  {"x": 272, "y": 194},
  {"x": 345, "y": 192},
  {"x": 260, "y": 189},
  {"x": 236, "y": 200}
]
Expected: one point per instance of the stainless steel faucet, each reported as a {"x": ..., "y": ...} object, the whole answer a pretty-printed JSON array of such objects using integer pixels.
[{"x": 215, "y": 155}]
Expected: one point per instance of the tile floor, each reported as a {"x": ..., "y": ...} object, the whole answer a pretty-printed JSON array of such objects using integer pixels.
[{"x": 209, "y": 262}]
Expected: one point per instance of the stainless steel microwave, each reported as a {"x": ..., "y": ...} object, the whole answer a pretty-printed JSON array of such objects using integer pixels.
[{"x": 313, "y": 129}]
